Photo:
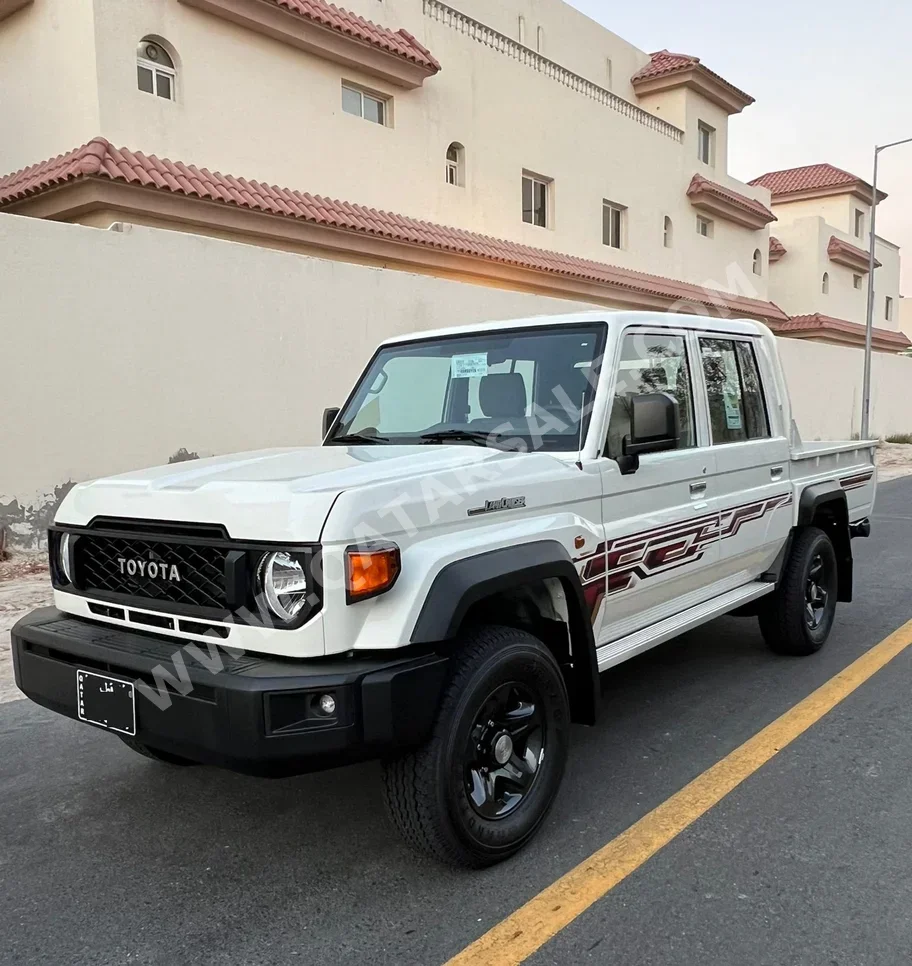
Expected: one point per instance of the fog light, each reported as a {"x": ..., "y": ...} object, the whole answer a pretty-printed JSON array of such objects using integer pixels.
[{"x": 327, "y": 704}]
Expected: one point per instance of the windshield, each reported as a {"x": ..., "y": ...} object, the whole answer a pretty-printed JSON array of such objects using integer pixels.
[{"x": 517, "y": 389}]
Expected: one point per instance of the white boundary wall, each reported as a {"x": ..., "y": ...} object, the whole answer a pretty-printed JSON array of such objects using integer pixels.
[{"x": 117, "y": 349}]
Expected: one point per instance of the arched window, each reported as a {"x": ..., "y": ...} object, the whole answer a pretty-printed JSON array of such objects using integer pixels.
[
  {"x": 540, "y": 40},
  {"x": 455, "y": 164},
  {"x": 825, "y": 284},
  {"x": 669, "y": 232},
  {"x": 758, "y": 262},
  {"x": 155, "y": 71},
  {"x": 522, "y": 29}
]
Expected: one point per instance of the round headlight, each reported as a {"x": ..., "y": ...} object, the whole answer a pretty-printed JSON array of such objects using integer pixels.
[
  {"x": 283, "y": 583},
  {"x": 64, "y": 559}
]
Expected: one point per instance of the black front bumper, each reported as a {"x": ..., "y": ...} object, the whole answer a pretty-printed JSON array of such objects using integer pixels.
[{"x": 239, "y": 711}]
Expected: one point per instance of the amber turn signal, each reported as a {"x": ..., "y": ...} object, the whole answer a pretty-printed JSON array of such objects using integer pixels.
[{"x": 370, "y": 571}]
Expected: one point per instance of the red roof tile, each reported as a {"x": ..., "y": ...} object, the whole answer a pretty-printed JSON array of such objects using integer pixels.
[
  {"x": 841, "y": 330},
  {"x": 811, "y": 177},
  {"x": 842, "y": 251},
  {"x": 700, "y": 185},
  {"x": 664, "y": 63},
  {"x": 777, "y": 249},
  {"x": 100, "y": 159},
  {"x": 398, "y": 42}
]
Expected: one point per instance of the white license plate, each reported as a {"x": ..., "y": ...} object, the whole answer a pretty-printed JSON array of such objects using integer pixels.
[{"x": 107, "y": 702}]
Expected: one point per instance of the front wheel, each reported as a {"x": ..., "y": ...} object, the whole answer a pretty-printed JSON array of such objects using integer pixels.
[
  {"x": 481, "y": 787},
  {"x": 798, "y": 616}
]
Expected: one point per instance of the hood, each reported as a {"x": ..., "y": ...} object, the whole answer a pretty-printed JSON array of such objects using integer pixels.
[{"x": 272, "y": 495}]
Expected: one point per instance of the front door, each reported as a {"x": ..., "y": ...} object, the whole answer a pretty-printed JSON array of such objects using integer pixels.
[{"x": 661, "y": 523}]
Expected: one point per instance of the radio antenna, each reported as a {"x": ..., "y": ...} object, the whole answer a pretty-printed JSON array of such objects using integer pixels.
[{"x": 579, "y": 451}]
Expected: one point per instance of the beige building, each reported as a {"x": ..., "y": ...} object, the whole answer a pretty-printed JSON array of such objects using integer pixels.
[
  {"x": 820, "y": 258},
  {"x": 600, "y": 169},
  {"x": 519, "y": 145}
]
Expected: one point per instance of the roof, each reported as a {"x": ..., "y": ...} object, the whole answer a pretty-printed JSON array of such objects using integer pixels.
[
  {"x": 700, "y": 185},
  {"x": 703, "y": 323},
  {"x": 846, "y": 254},
  {"x": 776, "y": 249},
  {"x": 813, "y": 178},
  {"x": 398, "y": 42},
  {"x": 840, "y": 330},
  {"x": 100, "y": 160},
  {"x": 665, "y": 63}
]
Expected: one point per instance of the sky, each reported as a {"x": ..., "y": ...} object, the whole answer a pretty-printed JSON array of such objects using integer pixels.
[{"x": 831, "y": 79}]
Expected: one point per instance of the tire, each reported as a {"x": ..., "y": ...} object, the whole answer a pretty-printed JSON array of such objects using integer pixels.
[
  {"x": 455, "y": 798},
  {"x": 788, "y": 621},
  {"x": 160, "y": 756}
]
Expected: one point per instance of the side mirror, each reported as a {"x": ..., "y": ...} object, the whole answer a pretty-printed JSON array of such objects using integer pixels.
[
  {"x": 654, "y": 427},
  {"x": 329, "y": 417}
]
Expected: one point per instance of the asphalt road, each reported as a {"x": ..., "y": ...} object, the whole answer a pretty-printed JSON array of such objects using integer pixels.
[{"x": 108, "y": 858}]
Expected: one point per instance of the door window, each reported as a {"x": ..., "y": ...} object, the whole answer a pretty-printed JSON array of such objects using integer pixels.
[
  {"x": 651, "y": 363},
  {"x": 736, "y": 408}
]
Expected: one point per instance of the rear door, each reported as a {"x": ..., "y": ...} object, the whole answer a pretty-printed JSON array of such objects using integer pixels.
[
  {"x": 661, "y": 523},
  {"x": 751, "y": 455}
]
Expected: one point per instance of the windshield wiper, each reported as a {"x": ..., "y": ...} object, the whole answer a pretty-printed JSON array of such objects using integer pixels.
[
  {"x": 357, "y": 438},
  {"x": 469, "y": 435}
]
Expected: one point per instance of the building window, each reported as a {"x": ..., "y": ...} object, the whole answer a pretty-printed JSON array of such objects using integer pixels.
[
  {"x": 825, "y": 283},
  {"x": 704, "y": 226},
  {"x": 859, "y": 223},
  {"x": 706, "y": 142},
  {"x": 668, "y": 237},
  {"x": 613, "y": 224},
  {"x": 522, "y": 30},
  {"x": 455, "y": 164},
  {"x": 540, "y": 40},
  {"x": 362, "y": 104},
  {"x": 888, "y": 309},
  {"x": 155, "y": 72},
  {"x": 609, "y": 73},
  {"x": 758, "y": 262},
  {"x": 856, "y": 281},
  {"x": 535, "y": 200}
]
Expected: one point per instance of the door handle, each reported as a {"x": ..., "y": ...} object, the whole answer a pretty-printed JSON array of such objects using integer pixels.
[
  {"x": 698, "y": 489},
  {"x": 776, "y": 472}
]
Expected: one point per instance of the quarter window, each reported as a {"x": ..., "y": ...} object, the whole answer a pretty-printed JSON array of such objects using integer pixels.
[
  {"x": 535, "y": 200},
  {"x": 736, "y": 408},
  {"x": 704, "y": 226},
  {"x": 651, "y": 363},
  {"x": 362, "y": 104}
]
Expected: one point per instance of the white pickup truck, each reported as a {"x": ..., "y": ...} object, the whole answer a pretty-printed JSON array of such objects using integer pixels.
[{"x": 497, "y": 514}]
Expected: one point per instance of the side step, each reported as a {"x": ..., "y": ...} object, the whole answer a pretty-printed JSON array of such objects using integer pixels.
[{"x": 633, "y": 644}]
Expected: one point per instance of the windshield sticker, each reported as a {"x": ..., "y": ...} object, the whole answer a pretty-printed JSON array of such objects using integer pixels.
[
  {"x": 732, "y": 412},
  {"x": 469, "y": 366}
]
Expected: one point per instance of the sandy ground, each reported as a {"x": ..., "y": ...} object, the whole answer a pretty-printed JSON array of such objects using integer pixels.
[
  {"x": 893, "y": 460},
  {"x": 18, "y": 596},
  {"x": 25, "y": 585}
]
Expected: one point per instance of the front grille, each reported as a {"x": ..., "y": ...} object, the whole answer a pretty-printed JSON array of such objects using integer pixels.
[{"x": 155, "y": 570}]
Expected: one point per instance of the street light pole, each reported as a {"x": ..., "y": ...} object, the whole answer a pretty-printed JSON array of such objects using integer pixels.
[{"x": 869, "y": 321}]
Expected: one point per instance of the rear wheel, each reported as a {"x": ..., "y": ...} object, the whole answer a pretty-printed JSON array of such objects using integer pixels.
[
  {"x": 481, "y": 787},
  {"x": 798, "y": 616},
  {"x": 153, "y": 753}
]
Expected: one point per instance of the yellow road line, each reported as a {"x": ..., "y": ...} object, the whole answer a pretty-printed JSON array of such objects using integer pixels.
[{"x": 519, "y": 935}]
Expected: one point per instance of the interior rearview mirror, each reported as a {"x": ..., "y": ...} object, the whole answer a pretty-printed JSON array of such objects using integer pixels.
[
  {"x": 329, "y": 417},
  {"x": 654, "y": 427}
]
